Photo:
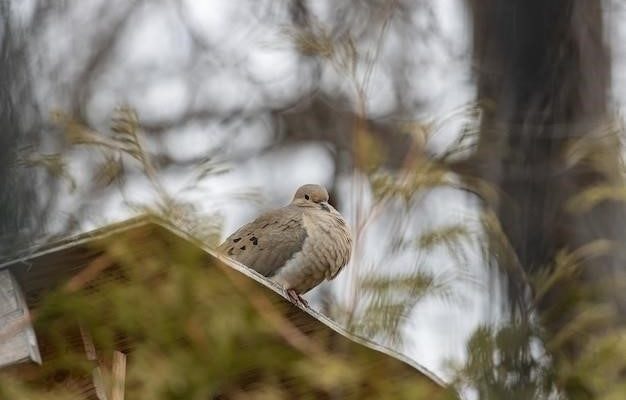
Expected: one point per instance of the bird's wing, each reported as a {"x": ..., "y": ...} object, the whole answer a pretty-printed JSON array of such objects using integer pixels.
[{"x": 268, "y": 242}]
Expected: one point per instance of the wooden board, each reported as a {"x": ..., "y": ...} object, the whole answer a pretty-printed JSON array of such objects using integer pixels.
[{"x": 18, "y": 343}]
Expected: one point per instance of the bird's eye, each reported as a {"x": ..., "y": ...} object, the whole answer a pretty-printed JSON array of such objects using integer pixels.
[{"x": 306, "y": 196}]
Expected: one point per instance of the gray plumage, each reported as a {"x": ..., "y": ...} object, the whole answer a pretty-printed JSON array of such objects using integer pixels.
[{"x": 298, "y": 245}]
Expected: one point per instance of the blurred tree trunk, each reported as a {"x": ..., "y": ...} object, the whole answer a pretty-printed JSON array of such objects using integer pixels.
[
  {"x": 543, "y": 75},
  {"x": 18, "y": 195}
]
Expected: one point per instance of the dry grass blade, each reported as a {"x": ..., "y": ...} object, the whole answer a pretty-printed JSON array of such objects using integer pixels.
[
  {"x": 567, "y": 265},
  {"x": 110, "y": 171},
  {"x": 54, "y": 164},
  {"x": 587, "y": 199}
]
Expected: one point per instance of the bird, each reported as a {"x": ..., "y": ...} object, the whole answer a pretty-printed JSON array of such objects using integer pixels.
[{"x": 297, "y": 246}]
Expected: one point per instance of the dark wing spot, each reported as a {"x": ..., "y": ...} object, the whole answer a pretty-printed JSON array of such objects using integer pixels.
[
  {"x": 254, "y": 240},
  {"x": 340, "y": 221},
  {"x": 243, "y": 247},
  {"x": 325, "y": 207},
  {"x": 265, "y": 226},
  {"x": 230, "y": 251},
  {"x": 236, "y": 240}
]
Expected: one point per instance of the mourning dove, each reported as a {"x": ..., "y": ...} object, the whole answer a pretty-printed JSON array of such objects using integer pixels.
[{"x": 297, "y": 246}]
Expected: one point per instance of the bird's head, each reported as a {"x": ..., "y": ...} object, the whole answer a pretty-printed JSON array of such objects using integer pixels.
[{"x": 312, "y": 196}]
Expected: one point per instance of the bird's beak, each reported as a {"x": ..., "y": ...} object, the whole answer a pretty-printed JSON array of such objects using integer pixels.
[{"x": 325, "y": 206}]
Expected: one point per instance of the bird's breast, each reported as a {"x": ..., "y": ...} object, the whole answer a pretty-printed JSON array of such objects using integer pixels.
[{"x": 325, "y": 251}]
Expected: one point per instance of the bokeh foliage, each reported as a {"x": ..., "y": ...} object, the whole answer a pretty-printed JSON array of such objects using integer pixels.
[
  {"x": 174, "y": 319},
  {"x": 193, "y": 329}
]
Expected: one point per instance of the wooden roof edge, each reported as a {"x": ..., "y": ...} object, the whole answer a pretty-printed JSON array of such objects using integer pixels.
[
  {"x": 146, "y": 219},
  {"x": 315, "y": 314},
  {"x": 41, "y": 249}
]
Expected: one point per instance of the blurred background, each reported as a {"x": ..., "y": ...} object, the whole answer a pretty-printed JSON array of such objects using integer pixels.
[{"x": 430, "y": 122}]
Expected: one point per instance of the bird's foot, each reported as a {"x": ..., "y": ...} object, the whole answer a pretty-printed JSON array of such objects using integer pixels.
[{"x": 296, "y": 298}]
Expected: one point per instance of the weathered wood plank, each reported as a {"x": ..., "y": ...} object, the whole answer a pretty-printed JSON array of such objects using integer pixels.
[
  {"x": 118, "y": 376},
  {"x": 17, "y": 338}
]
